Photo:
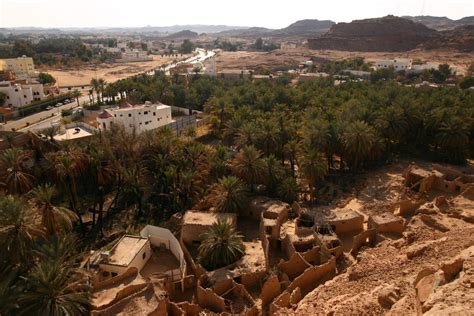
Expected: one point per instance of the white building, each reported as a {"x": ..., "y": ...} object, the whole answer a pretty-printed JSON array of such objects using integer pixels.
[
  {"x": 136, "y": 118},
  {"x": 397, "y": 64},
  {"x": 156, "y": 251},
  {"x": 421, "y": 67},
  {"x": 20, "y": 94},
  {"x": 210, "y": 68},
  {"x": 133, "y": 56}
]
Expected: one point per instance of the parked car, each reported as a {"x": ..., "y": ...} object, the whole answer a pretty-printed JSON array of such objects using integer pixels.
[
  {"x": 58, "y": 105},
  {"x": 49, "y": 108}
]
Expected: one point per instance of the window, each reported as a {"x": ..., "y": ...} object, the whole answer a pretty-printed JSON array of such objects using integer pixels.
[
  {"x": 115, "y": 115},
  {"x": 146, "y": 112},
  {"x": 154, "y": 113},
  {"x": 24, "y": 96},
  {"x": 139, "y": 112},
  {"x": 121, "y": 115},
  {"x": 8, "y": 97},
  {"x": 16, "y": 90},
  {"x": 129, "y": 114},
  {"x": 144, "y": 256},
  {"x": 104, "y": 126},
  {"x": 146, "y": 123}
]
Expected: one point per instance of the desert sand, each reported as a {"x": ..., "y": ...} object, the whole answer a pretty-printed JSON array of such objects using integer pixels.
[
  {"x": 78, "y": 76},
  {"x": 285, "y": 59}
]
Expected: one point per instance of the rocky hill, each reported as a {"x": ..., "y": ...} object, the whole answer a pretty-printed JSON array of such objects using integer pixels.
[
  {"x": 305, "y": 28},
  {"x": 183, "y": 34},
  {"x": 441, "y": 23},
  {"x": 390, "y": 34},
  {"x": 459, "y": 39}
]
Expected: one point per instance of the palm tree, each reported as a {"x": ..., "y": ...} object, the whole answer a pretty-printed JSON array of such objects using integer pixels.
[
  {"x": 54, "y": 218},
  {"x": 96, "y": 87},
  {"x": 67, "y": 165},
  {"x": 18, "y": 229},
  {"x": 246, "y": 135},
  {"x": 56, "y": 289},
  {"x": 269, "y": 136},
  {"x": 358, "y": 139},
  {"x": 249, "y": 166},
  {"x": 101, "y": 85},
  {"x": 221, "y": 246},
  {"x": 76, "y": 94},
  {"x": 452, "y": 138},
  {"x": 273, "y": 174},
  {"x": 288, "y": 190},
  {"x": 313, "y": 168},
  {"x": 229, "y": 195},
  {"x": 8, "y": 291},
  {"x": 14, "y": 174}
]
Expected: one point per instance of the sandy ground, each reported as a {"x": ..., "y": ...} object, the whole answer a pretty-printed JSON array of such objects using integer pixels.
[
  {"x": 283, "y": 59},
  {"x": 109, "y": 72}
]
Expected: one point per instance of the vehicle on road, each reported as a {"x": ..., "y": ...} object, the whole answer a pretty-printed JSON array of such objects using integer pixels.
[
  {"x": 49, "y": 108},
  {"x": 58, "y": 105}
]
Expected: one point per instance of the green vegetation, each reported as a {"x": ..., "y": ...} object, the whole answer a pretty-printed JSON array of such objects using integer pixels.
[
  {"x": 221, "y": 246},
  {"x": 51, "y": 51},
  {"x": 260, "y": 45},
  {"x": 46, "y": 78},
  {"x": 187, "y": 47}
]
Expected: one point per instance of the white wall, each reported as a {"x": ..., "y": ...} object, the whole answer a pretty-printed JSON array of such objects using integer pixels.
[
  {"x": 159, "y": 235},
  {"x": 17, "y": 96}
]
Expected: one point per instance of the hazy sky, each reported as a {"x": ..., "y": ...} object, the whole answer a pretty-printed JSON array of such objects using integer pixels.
[{"x": 265, "y": 13}]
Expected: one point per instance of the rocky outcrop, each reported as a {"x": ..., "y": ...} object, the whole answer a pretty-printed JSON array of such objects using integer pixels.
[{"x": 390, "y": 34}]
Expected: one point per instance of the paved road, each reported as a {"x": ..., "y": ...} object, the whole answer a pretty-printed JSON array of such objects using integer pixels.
[
  {"x": 44, "y": 116},
  {"x": 201, "y": 56}
]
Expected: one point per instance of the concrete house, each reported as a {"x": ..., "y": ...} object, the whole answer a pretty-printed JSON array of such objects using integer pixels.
[{"x": 137, "y": 118}]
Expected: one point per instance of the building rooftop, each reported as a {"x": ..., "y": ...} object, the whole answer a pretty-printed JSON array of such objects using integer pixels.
[
  {"x": 126, "y": 249},
  {"x": 73, "y": 133},
  {"x": 127, "y": 106},
  {"x": 207, "y": 218},
  {"x": 104, "y": 115}
]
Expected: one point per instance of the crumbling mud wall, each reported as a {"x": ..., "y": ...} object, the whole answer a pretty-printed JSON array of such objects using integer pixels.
[
  {"x": 314, "y": 276},
  {"x": 407, "y": 207},
  {"x": 282, "y": 301},
  {"x": 210, "y": 300},
  {"x": 222, "y": 286},
  {"x": 251, "y": 279},
  {"x": 172, "y": 309},
  {"x": 129, "y": 273},
  {"x": 367, "y": 237},
  {"x": 190, "y": 309},
  {"x": 313, "y": 256},
  {"x": 287, "y": 246},
  {"x": 265, "y": 247},
  {"x": 294, "y": 267},
  {"x": 270, "y": 289},
  {"x": 122, "y": 294},
  {"x": 147, "y": 291}
]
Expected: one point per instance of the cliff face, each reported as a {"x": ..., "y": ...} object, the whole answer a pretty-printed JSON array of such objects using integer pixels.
[
  {"x": 460, "y": 39},
  {"x": 390, "y": 34},
  {"x": 441, "y": 23}
]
